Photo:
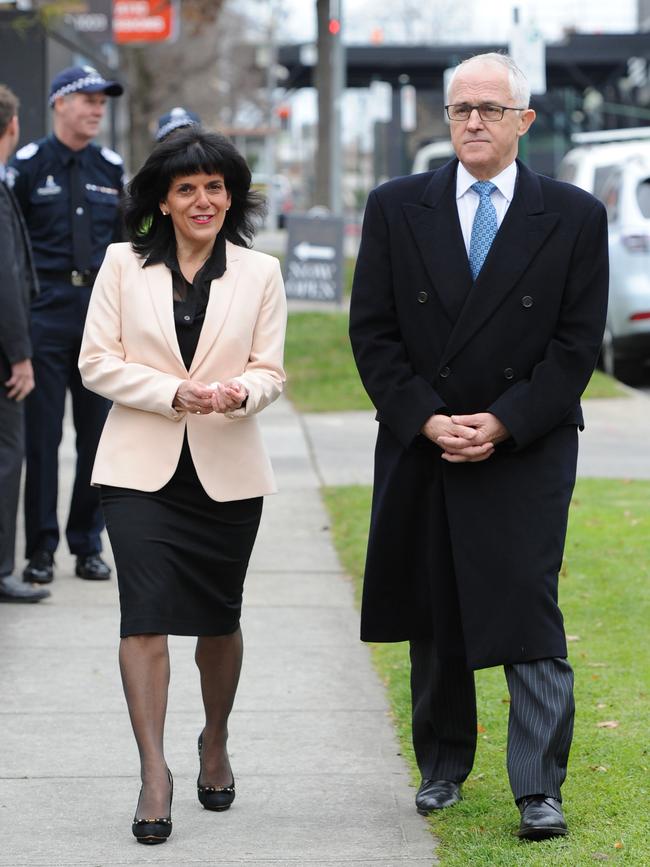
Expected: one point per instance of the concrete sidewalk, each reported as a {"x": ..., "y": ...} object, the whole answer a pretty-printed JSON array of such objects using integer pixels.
[{"x": 319, "y": 777}]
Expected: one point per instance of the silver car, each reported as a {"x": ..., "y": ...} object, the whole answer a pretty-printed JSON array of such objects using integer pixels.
[{"x": 618, "y": 173}]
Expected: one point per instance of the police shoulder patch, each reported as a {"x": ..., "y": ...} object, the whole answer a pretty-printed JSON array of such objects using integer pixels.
[
  {"x": 27, "y": 152},
  {"x": 111, "y": 157}
]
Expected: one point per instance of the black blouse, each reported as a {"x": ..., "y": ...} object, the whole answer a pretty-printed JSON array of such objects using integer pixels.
[{"x": 191, "y": 299}]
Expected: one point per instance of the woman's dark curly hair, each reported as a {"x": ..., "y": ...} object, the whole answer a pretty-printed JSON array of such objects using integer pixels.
[{"x": 189, "y": 151}]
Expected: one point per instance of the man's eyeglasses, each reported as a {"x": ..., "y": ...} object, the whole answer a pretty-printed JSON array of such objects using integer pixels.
[{"x": 487, "y": 111}]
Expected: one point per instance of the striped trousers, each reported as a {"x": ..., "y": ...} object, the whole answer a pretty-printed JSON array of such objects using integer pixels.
[{"x": 540, "y": 726}]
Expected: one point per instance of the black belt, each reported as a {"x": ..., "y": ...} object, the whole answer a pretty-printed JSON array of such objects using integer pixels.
[{"x": 75, "y": 278}]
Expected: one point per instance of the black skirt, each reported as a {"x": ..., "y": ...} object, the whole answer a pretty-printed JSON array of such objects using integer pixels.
[{"x": 181, "y": 557}]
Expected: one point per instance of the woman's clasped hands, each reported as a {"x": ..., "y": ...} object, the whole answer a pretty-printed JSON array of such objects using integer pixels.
[{"x": 200, "y": 399}]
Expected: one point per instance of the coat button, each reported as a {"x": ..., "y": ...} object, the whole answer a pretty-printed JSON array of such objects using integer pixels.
[
  {"x": 509, "y": 373},
  {"x": 444, "y": 373},
  {"x": 423, "y": 297},
  {"x": 527, "y": 301}
]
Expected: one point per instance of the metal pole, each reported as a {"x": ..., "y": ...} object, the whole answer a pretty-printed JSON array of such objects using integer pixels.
[
  {"x": 323, "y": 85},
  {"x": 337, "y": 67},
  {"x": 396, "y": 134},
  {"x": 270, "y": 143}
]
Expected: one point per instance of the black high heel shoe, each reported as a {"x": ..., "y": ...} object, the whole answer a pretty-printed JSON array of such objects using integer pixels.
[
  {"x": 154, "y": 830},
  {"x": 217, "y": 798}
]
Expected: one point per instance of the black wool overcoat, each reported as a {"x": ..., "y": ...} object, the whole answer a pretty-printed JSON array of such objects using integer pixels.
[
  {"x": 18, "y": 284},
  {"x": 469, "y": 554}
]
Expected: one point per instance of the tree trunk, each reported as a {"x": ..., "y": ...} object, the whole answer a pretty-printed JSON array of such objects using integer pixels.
[
  {"x": 162, "y": 75},
  {"x": 140, "y": 75}
]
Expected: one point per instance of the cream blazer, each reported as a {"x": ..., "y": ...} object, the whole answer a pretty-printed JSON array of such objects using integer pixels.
[{"x": 130, "y": 354}]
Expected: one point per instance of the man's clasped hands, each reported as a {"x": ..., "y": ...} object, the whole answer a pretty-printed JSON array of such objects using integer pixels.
[{"x": 465, "y": 438}]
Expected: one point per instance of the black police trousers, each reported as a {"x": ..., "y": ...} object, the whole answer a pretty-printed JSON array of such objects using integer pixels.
[{"x": 57, "y": 321}]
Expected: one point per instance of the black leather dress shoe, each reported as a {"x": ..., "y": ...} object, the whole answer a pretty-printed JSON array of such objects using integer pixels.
[
  {"x": 436, "y": 795},
  {"x": 541, "y": 818},
  {"x": 13, "y": 590},
  {"x": 40, "y": 569},
  {"x": 92, "y": 568}
]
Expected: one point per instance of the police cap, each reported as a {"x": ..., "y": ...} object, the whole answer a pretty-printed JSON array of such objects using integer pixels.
[
  {"x": 82, "y": 79},
  {"x": 176, "y": 119}
]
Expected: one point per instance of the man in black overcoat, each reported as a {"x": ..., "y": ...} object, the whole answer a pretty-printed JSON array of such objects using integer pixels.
[
  {"x": 17, "y": 286},
  {"x": 477, "y": 312}
]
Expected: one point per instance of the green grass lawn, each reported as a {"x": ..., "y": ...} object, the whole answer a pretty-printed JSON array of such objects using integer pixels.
[
  {"x": 602, "y": 385},
  {"x": 320, "y": 368},
  {"x": 322, "y": 374},
  {"x": 605, "y": 596}
]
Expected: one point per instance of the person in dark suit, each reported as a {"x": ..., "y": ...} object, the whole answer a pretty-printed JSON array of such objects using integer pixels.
[
  {"x": 69, "y": 191},
  {"x": 17, "y": 286},
  {"x": 477, "y": 312}
]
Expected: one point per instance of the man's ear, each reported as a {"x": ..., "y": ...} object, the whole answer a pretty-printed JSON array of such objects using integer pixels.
[{"x": 526, "y": 120}]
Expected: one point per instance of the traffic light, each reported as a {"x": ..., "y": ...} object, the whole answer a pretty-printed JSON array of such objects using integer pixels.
[
  {"x": 334, "y": 24},
  {"x": 284, "y": 113}
]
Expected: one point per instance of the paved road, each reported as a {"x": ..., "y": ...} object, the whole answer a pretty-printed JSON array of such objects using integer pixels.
[
  {"x": 319, "y": 778},
  {"x": 644, "y": 386}
]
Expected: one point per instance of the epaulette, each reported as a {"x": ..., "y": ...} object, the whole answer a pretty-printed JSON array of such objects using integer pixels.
[
  {"x": 111, "y": 157},
  {"x": 28, "y": 151}
]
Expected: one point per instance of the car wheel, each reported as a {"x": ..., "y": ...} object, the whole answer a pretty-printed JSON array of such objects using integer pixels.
[
  {"x": 606, "y": 360},
  {"x": 628, "y": 370}
]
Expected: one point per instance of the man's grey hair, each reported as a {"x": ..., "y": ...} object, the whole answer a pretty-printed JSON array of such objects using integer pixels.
[{"x": 519, "y": 87}]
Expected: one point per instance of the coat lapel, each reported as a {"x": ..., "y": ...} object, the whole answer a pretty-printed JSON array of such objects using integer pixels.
[
  {"x": 524, "y": 230},
  {"x": 159, "y": 281},
  {"x": 436, "y": 230},
  {"x": 221, "y": 296},
  {"x": 32, "y": 287}
]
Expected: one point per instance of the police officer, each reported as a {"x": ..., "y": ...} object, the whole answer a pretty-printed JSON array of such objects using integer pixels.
[
  {"x": 69, "y": 190},
  {"x": 177, "y": 118}
]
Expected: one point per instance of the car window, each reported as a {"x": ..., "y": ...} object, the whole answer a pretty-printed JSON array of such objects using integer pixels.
[
  {"x": 643, "y": 196},
  {"x": 602, "y": 179},
  {"x": 607, "y": 187},
  {"x": 436, "y": 163}
]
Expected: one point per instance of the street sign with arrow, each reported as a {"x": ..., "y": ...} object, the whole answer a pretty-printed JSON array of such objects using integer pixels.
[{"x": 314, "y": 263}]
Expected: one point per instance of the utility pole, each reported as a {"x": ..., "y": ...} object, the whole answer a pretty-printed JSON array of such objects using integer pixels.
[
  {"x": 270, "y": 145},
  {"x": 330, "y": 83}
]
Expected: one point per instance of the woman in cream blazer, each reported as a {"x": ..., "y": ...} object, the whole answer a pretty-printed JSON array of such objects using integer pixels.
[
  {"x": 185, "y": 334},
  {"x": 130, "y": 354}
]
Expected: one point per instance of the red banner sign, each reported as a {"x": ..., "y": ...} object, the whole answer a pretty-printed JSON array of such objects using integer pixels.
[{"x": 144, "y": 20}]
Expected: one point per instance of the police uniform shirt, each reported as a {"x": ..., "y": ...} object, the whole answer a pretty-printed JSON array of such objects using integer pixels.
[{"x": 40, "y": 174}]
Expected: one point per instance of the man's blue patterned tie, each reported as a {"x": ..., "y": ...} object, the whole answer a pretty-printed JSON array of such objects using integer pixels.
[{"x": 484, "y": 227}]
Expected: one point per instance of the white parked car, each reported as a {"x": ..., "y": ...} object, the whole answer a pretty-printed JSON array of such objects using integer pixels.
[
  {"x": 615, "y": 167},
  {"x": 431, "y": 156}
]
